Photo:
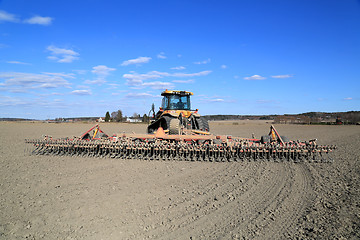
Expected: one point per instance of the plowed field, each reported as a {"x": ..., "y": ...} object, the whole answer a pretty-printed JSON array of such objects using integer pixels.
[{"x": 53, "y": 197}]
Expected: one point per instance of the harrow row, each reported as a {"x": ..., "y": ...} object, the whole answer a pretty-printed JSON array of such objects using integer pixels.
[{"x": 159, "y": 149}]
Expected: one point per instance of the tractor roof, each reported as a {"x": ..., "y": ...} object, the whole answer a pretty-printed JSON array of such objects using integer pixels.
[{"x": 175, "y": 92}]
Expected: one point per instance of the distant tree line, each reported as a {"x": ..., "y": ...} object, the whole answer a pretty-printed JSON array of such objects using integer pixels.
[
  {"x": 16, "y": 119},
  {"x": 118, "y": 116},
  {"x": 351, "y": 117},
  {"x": 238, "y": 117}
]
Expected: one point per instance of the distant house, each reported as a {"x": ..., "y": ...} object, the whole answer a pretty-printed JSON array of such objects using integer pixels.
[
  {"x": 100, "y": 120},
  {"x": 133, "y": 120}
]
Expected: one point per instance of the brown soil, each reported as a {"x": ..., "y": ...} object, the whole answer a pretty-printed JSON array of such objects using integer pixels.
[{"x": 52, "y": 197}]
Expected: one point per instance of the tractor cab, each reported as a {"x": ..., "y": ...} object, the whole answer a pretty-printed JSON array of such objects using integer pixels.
[
  {"x": 175, "y": 114},
  {"x": 176, "y": 100}
]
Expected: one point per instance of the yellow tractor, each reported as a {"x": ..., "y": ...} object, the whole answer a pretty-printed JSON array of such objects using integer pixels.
[
  {"x": 179, "y": 133},
  {"x": 175, "y": 115}
]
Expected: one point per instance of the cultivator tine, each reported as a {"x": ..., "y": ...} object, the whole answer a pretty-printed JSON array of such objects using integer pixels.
[{"x": 180, "y": 150}]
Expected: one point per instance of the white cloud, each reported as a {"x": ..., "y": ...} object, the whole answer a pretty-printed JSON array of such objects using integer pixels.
[
  {"x": 61, "y": 51},
  {"x": 62, "y": 55},
  {"x": 161, "y": 55},
  {"x": 6, "y": 101},
  {"x": 223, "y": 66},
  {"x": 99, "y": 81},
  {"x": 136, "y": 79},
  {"x": 217, "y": 100},
  {"x": 255, "y": 77},
  {"x": 102, "y": 70},
  {"x": 23, "y": 81},
  {"x": 348, "y": 98},
  {"x": 18, "y": 62},
  {"x": 67, "y": 59},
  {"x": 203, "y": 62},
  {"x": 79, "y": 71},
  {"x": 66, "y": 75},
  {"x": 53, "y": 58},
  {"x": 158, "y": 85},
  {"x": 81, "y": 92},
  {"x": 39, "y": 20},
  {"x": 184, "y": 81},
  {"x": 8, "y": 17},
  {"x": 282, "y": 76},
  {"x": 139, "y": 95},
  {"x": 56, "y": 94},
  {"x": 178, "y": 68},
  {"x": 138, "y": 60},
  {"x": 198, "y": 74},
  {"x": 213, "y": 100}
]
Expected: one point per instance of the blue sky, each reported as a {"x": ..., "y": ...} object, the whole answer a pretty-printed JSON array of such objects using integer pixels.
[{"x": 83, "y": 58}]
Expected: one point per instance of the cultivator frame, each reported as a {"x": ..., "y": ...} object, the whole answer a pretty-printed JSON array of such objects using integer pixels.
[{"x": 192, "y": 145}]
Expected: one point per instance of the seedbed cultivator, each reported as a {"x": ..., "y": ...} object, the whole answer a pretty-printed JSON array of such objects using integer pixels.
[{"x": 189, "y": 145}]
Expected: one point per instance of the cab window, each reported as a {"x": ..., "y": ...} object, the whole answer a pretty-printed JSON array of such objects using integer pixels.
[{"x": 176, "y": 102}]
